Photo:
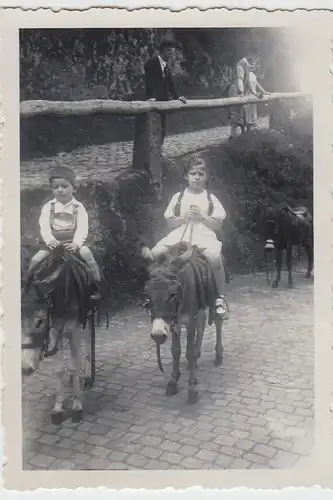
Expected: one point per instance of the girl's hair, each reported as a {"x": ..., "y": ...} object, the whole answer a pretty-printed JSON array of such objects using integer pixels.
[{"x": 195, "y": 160}]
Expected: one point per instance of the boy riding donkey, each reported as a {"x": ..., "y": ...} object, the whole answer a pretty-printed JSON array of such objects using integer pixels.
[{"x": 64, "y": 222}]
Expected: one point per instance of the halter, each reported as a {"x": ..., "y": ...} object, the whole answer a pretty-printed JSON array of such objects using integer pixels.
[
  {"x": 173, "y": 322},
  {"x": 42, "y": 340}
]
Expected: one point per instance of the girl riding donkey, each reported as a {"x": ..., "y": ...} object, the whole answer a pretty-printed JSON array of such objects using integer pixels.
[
  {"x": 195, "y": 216},
  {"x": 64, "y": 221}
]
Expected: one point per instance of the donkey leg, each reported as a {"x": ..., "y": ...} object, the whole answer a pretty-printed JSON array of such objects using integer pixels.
[
  {"x": 172, "y": 388},
  {"x": 75, "y": 354},
  {"x": 218, "y": 346},
  {"x": 309, "y": 254},
  {"x": 86, "y": 357},
  {"x": 201, "y": 323},
  {"x": 289, "y": 265},
  {"x": 191, "y": 358},
  {"x": 57, "y": 414},
  {"x": 278, "y": 261}
]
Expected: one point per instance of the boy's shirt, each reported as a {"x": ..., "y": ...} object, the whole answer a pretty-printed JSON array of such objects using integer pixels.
[{"x": 81, "y": 232}]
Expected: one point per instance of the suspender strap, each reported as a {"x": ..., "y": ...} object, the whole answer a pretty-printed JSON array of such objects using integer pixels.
[
  {"x": 210, "y": 206},
  {"x": 75, "y": 211},
  {"x": 52, "y": 208},
  {"x": 176, "y": 210}
]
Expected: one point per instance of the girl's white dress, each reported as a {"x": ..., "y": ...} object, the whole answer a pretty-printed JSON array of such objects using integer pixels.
[{"x": 202, "y": 236}]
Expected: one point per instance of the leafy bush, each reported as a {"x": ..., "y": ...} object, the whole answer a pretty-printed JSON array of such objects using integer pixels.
[
  {"x": 109, "y": 63},
  {"x": 255, "y": 171}
]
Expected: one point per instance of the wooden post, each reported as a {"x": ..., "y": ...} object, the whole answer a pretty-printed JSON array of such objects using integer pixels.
[{"x": 147, "y": 150}]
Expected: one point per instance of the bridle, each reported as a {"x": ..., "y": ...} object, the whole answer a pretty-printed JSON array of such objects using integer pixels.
[
  {"x": 179, "y": 296},
  {"x": 42, "y": 340},
  {"x": 147, "y": 305}
]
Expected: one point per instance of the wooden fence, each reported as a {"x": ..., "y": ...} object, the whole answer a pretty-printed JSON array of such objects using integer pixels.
[{"x": 147, "y": 147}]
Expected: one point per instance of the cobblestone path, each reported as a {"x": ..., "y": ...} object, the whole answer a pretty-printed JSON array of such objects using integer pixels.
[
  {"x": 256, "y": 411},
  {"x": 105, "y": 162}
]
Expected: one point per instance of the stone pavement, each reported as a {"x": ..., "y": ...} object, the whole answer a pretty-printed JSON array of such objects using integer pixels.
[
  {"x": 256, "y": 411},
  {"x": 105, "y": 162}
]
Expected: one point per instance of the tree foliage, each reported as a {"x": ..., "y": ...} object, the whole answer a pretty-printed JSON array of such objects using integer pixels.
[{"x": 109, "y": 63}]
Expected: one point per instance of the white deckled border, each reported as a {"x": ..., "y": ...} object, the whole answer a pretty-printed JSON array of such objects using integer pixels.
[
  {"x": 173, "y": 5},
  {"x": 2, "y": 336},
  {"x": 331, "y": 243},
  {"x": 324, "y": 301}
]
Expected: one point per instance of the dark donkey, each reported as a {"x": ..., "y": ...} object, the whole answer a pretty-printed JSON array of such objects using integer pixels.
[
  {"x": 61, "y": 282},
  {"x": 285, "y": 228},
  {"x": 178, "y": 292}
]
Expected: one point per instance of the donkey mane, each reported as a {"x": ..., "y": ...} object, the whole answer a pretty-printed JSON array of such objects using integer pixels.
[
  {"x": 169, "y": 266},
  {"x": 63, "y": 278}
]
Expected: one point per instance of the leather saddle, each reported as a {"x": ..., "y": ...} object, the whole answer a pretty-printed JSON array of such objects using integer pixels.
[{"x": 301, "y": 212}]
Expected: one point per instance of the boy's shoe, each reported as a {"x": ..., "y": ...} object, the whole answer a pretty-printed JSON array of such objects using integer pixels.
[{"x": 221, "y": 308}]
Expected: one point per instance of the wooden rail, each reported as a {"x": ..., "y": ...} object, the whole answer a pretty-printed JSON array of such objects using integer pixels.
[
  {"x": 147, "y": 147},
  {"x": 107, "y": 106}
]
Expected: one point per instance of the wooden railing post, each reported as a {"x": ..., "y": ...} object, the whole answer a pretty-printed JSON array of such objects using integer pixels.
[{"x": 147, "y": 149}]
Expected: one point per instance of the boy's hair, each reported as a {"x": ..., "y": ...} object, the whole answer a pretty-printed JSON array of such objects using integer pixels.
[
  {"x": 195, "y": 160},
  {"x": 63, "y": 173}
]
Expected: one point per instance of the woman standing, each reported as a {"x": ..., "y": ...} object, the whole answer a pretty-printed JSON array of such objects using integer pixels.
[
  {"x": 254, "y": 88},
  {"x": 239, "y": 88}
]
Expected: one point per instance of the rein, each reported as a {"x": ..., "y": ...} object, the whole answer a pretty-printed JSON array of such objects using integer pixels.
[
  {"x": 191, "y": 232},
  {"x": 173, "y": 322}
]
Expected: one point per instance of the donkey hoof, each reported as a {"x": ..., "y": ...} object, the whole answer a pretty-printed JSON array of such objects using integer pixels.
[
  {"x": 171, "y": 389},
  {"x": 192, "y": 397},
  {"x": 218, "y": 359},
  {"x": 57, "y": 417},
  {"x": 290, "y": 284},
  {"x": 308, "y": 276},
  {"x": 275, "y": 284},
  {"x": 77, "y": 416}
]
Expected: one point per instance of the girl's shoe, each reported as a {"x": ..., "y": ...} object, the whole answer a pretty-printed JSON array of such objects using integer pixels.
[{"x": 221, "y": 308}]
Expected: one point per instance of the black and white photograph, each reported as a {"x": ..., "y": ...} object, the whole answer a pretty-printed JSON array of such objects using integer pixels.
[{"x": 167, "y": 249}]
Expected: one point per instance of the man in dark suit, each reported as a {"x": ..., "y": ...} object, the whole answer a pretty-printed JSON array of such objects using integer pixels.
[{"x": 158, "y": 79}]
